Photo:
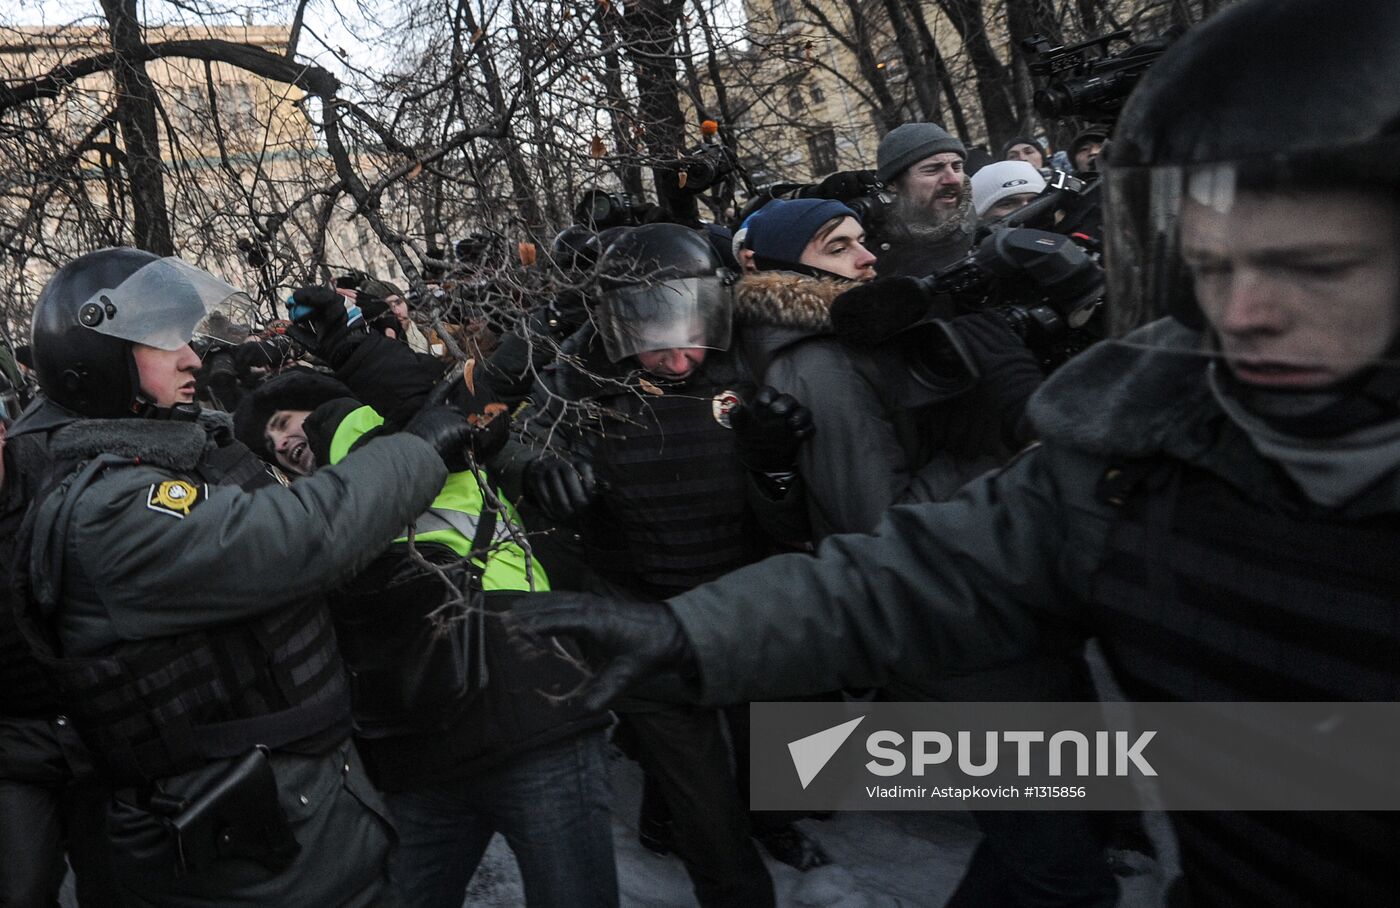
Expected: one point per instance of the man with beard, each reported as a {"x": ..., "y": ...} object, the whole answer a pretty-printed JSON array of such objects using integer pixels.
[{"x": 928, "y": 228}]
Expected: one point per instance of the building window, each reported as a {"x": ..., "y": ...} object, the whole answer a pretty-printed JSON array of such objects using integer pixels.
[
  {"x": 818, "y": 96},
  {"x": 783, "y": 12},
  {"x": 822, "y": 148},
  {"x": 795, "y": 103}
]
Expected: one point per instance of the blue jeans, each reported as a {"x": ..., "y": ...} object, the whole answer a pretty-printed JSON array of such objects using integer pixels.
[{"x": 551, "y": 804}]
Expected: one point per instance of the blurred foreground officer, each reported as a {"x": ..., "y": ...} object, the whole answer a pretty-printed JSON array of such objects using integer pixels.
[
  {"x": 174, "y": 598},
  {"x": 1217, "y": 496}
]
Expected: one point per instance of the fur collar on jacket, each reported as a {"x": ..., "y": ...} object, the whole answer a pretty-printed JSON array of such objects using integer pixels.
[
  {"x": 172, "y": 445},
  {"x": 1133, "y": 397},
  {"x": 785, "y": 299}
]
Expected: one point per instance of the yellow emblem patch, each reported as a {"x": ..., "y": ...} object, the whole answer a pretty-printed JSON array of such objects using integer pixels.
[{"x": 174, "y": 496}]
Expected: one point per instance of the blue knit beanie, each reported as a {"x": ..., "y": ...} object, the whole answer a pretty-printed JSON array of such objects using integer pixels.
[{"x": 780, "y": 230}]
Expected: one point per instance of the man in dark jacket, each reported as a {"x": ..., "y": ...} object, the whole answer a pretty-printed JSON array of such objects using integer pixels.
[
  {"x": 1216, "y": 495},
  {"x": 930, "y": 226},
  {"x": 883, "y": 438},
  {"x": 456, "y": 768},
  {"x": 174, "y": 597}
]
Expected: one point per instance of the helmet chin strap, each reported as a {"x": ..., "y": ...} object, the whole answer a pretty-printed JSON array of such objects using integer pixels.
[
  {"x": 763, "y": 263},
  {"x": 145, "y": 408}
]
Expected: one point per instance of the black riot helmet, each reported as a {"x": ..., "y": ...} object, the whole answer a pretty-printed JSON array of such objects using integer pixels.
[
  {"x": 662, "y": 286},
  {"x": 96, "y": 307},
  {"x": 1266, "y": 96},
  {"x": 574, "y": 249}
]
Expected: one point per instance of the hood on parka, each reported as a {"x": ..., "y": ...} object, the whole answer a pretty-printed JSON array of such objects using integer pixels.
[{"x": 785, "y": 299}]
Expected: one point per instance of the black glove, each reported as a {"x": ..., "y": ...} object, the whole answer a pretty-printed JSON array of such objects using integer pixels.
[
  {"x": 561, "y": 487},
  {"x": 488, "y": 425},
  {"x": 447, "y": 430},
  {"x": 628, "y": 642},
  {"x": 326, "y": 323},
  {"x": 770, "y": 430}
]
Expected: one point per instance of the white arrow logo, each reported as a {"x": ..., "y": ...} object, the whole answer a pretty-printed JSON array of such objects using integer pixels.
[{"x": 811, "y": 753}]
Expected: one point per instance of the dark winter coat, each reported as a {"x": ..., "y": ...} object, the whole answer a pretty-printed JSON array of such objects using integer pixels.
[
  {"x": 962, "y": 584},
  {"x": 870, "y": 450}
]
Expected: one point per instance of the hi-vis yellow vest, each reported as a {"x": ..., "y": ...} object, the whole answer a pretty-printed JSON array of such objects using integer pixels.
[{"x": 451, "y": 519}]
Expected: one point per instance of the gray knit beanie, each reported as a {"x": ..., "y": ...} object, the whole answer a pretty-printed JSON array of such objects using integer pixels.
[{"x": 906, "y": 145}]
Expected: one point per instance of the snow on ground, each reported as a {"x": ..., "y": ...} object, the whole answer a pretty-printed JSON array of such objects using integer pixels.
[{"x": 881, "y": 860}]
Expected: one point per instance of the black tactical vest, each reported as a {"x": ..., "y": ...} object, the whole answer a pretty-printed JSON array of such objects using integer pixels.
[
  {"x": 1207, "y": 595},
  {"x": 675, "y": 513},
  {"x": 153, "y": 708}
]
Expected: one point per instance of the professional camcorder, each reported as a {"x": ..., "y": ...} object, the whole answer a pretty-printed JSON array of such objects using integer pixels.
[
  {"x": 1044, "y": 285},
  {"x": 1085, "y": 80},
  {"x": 860, "y": 190}
]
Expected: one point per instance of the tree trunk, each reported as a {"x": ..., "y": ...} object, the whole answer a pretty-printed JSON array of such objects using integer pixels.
[
  {"x": 136, "y": 115},
  {"x": 921, "y": 77},
  {"x": 992, "y": 77},
  {"x": 1025, "y": 18},
  {"x": 649, "y": 28}
]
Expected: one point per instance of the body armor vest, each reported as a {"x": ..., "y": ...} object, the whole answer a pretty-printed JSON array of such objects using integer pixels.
[
  {"x": 1207, "y": 595},
  {"x": 676, "y": 508},
  {"x": 153, "y": 708}
]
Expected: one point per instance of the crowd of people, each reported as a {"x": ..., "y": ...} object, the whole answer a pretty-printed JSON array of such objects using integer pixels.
[{"x": 307, "y": 612}]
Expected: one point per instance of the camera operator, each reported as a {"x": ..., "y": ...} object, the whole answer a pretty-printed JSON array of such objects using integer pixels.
[
  {"x": 908, "y": 407},
  {"x": 927, "y": 228},
  {"x": 1001, "y": 188}
]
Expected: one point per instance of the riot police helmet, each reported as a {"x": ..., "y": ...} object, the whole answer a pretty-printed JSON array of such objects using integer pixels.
[
  {"x": 97, "y": 307},
  {"x": 663, "y": 287},
  {"x": 1267, "y": 96}
]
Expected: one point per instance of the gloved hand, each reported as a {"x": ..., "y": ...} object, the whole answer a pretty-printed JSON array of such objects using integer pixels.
[
  {"x": 325, "y": 323},
  {"x": 628, "y": 642},
  {"x": 446, "y": 429},
  {"x": 487, "y": 423},
  {"x": 561, "y": 487},
  {"x": 770, "y": 430}
]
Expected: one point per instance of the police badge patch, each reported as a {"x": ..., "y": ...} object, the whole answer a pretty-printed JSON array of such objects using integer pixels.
[
  {"x": 722, "y": 405},
  {"x": 174, "y": 497}
]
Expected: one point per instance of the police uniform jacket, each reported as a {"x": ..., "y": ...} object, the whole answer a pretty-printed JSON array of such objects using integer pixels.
[{"x": 152, "y": 550}]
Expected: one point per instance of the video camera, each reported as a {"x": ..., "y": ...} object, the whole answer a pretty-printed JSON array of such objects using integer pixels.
[
  {"x": 1085, "y": 80},
  {"x": 860, "y": 190},
  {"x": 1045, "y": 286},
  {"x": 705, "y": 166}
]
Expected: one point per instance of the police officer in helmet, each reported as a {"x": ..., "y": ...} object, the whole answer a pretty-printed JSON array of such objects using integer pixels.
[
  {"x": 174, "y": 598},
  {"x": 1216, "y": 495}
]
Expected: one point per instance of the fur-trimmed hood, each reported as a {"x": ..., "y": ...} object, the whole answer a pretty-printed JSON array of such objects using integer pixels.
[{"x": 785, "y": 299}]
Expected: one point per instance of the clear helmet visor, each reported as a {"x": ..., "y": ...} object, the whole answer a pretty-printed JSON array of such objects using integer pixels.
[
  {"x": 165, "y": 304},
  {"x": 1291, "y": 265},
  {"x": 666, "y": 315}
]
